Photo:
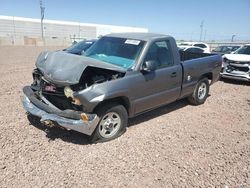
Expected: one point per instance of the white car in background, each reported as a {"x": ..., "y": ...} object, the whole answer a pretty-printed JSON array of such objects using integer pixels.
[
  {"x": 237, "y": 65},
  {"x": 202, "y": 45}
]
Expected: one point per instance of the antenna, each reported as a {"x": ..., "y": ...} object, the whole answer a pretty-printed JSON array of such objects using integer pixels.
[
  {"x": 42, "y": 16},
  {"x": 201, "y": 27}
]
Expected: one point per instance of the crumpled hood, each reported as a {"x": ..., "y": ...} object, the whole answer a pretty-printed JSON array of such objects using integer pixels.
[
  {"x": 64, "y": 69},
  {"x": 237, "y": 57}
]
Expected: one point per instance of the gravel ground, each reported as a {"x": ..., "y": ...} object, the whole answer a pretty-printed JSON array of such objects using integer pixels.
[{"x": 178, "y": 145}]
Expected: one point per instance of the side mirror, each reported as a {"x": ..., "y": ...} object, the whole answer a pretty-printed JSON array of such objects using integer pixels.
[{"x": 149, "y": 66}]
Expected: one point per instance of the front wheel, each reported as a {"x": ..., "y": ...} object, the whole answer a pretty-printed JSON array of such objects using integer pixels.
[
  {"x": 200, "y": 93},
  {"x": 112, "y": 124}
]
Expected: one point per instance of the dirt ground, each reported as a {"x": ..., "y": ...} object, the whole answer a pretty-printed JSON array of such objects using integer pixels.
[{"x": 178, "y": 145}]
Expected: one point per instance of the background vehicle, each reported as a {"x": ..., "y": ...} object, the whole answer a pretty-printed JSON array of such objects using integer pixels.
[
  {"x": 237, "y": 65},
  {"x": 234, "y": 48},
  {"x": 121, "y": 76},
  {"x": 80, "y": 47},
  {"x": 202, "y": 45},
  {"x": 225, "y": 49}
]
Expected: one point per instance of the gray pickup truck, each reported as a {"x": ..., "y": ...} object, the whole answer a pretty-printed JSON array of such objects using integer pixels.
[{"x": 119, "y": 77}]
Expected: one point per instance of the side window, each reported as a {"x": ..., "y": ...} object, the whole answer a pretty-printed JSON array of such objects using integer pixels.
[
  {"x": 160, "y": 52},
  {"x": 200, "y": 45}
]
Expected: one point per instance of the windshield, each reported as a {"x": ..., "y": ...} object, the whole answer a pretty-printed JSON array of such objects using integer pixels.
[
  {"x": 80, "y": 46},
  {"x": 118, "y": 51},
  {"x": 243, "y": 50},
  {"x": 235, "y": 48}
]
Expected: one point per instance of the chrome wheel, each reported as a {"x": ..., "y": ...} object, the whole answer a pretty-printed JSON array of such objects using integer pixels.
[
  {"x": 109, "y": 125},
  {"x": 202, "y": 91}
]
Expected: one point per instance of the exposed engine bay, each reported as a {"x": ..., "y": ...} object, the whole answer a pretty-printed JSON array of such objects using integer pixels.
[
  {"x": 94, "y": 75},
  {"x": 62, "y": 96}
]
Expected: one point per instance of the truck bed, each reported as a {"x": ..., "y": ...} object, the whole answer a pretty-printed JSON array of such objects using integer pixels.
[
  {"x": 189, "y": 55},
  {"x": 195, "y": 65}
]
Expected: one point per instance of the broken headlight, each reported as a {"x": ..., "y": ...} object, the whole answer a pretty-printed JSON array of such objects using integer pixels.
[{"x": 68, "y": 92}]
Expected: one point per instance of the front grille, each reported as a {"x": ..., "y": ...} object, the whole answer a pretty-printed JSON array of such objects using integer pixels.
[
  {"x": 236, "y": 68},
  {"x": 52, "y": 93},
  {"x": 58, "y": 91},
  {"x": 237, "y": 62},
  {"x": 55, "y": 96},
  {"x": 58, "y": 98}
]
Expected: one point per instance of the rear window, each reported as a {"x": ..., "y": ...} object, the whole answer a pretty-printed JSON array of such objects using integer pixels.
[
  {"x": 200, "y": 45},
  {"x": 194, "y": 50},
  {"x": 184, "y": 44}
]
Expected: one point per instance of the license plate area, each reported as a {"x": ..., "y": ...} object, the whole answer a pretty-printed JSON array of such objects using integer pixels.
[{"x": 50, "y": 88}]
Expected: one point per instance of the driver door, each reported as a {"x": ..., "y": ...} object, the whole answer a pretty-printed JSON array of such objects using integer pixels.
[{"x": 158, "y": 87}]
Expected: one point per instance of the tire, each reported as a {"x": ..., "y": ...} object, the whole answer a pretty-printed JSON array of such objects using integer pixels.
[
  {"x": 200, "y": 92},
  {"x": 112, "y": 124}
]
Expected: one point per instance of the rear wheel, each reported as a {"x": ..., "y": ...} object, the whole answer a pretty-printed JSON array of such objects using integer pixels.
[
  {"x": 200, "y": 93},
  {"x": 112, "y": 124}
]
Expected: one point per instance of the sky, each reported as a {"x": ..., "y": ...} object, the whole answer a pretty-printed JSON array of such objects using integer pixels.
[{"x": 179, "y": 18}]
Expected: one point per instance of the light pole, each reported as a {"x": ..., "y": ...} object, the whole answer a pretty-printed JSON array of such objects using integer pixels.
[
  {"x": 232, "y": 39},
  {"x": 14, "y": 31},
  {"x": 205, "y": 35},
  {"x": 42, "y": 16}
]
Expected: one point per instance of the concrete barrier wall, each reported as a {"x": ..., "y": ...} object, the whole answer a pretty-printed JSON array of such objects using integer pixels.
[
  {"x": 27, "y": 31},
  {"x": 31, "y": 41}
]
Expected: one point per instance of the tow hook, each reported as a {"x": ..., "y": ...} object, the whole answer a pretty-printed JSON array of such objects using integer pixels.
[{"x": 48, "y": 123}]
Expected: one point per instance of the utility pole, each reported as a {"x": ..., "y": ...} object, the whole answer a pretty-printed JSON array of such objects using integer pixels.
[
  {"x": 205, "y": 35},
  {"x": 79, "y": 32},
  {"x": 14, "y": 31},
  {"x": 42, "y": 16},
  {"x": 201, "y": 27},
  {"x": 232, "y": 39}
]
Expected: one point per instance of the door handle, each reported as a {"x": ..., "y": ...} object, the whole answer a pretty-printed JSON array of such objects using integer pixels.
[{"x": 173, "y": 74}]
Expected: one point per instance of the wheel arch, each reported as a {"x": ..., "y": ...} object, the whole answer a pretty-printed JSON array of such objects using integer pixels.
[
  {"x": 122, "y": 100},
  {"x": 208, "y": 75}
]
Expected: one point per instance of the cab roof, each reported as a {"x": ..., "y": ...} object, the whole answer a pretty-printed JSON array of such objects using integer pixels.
[{"x": 138, "y": 36}]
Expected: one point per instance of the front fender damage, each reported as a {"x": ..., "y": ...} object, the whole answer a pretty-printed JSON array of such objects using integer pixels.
[
  {"x": 68, "y": 83},
  {"x": 97, "y": 93}
]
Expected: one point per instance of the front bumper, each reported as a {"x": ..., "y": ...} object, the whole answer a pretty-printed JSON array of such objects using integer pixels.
[
  {"x": 235, "y": 76},
  {"x": 78, "y": 125},
  {"x": 236, "y": 71}
]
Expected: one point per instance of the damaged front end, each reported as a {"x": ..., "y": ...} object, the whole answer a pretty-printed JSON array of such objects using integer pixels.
[
  {"x": 60, "y": 90},
  {"x": 238, "y": 70}
]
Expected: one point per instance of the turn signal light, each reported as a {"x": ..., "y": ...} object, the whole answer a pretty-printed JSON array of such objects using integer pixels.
[
  {"x": 76, "y": 101},
  {"x": 84, "y": 117}
]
